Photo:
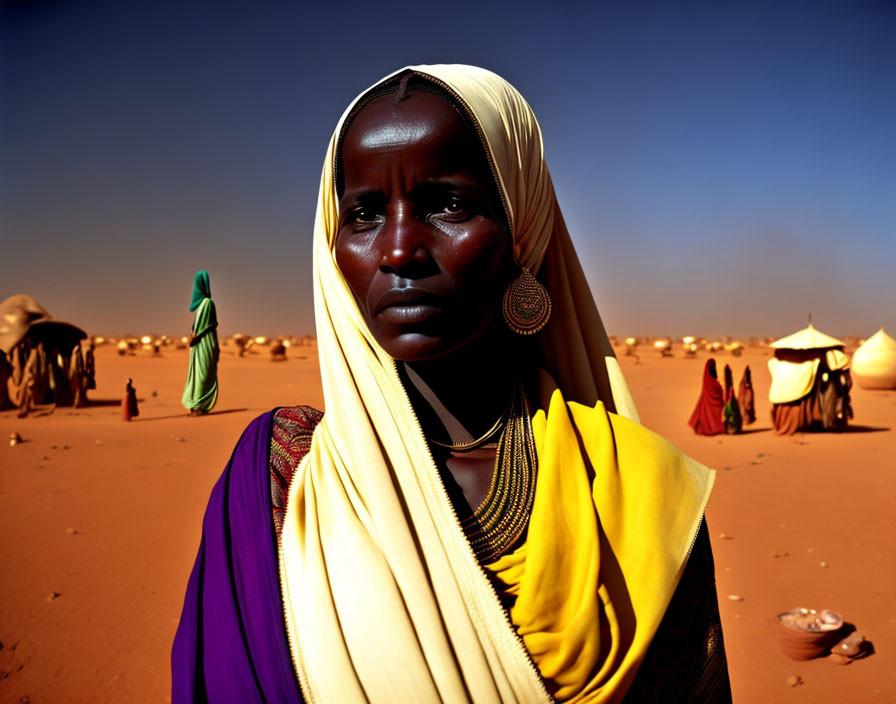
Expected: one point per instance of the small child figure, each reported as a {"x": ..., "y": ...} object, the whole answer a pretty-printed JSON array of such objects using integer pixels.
[
  {"x": 129, "y": 402},
  {"x": 731, "y": 416}
]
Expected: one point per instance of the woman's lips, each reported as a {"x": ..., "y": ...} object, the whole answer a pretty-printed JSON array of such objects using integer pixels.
[
  {"x": 408, "y": 314},
  {"x": 408, "y": 305}
]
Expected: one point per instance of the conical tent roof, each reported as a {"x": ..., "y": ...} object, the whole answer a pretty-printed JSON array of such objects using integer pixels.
[
  {"x": 21, "y": 315},
  {"x": 807, "y": 339}
]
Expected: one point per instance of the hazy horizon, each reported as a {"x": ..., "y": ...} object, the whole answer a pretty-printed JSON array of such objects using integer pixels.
[
  {"x": 722, "y": 170},
  {"x": 225, "y": 331}
]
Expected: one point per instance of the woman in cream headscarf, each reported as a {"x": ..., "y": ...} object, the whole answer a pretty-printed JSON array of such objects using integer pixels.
[{"x": 425, "y": 551}]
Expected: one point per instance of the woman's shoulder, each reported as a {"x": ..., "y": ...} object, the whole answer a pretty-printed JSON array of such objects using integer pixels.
[
  {"x": 284, "y": 427},
  {"x": 270, "y": 450},
  {"x": 290, "y": 440},
  {"x": 297, "y": 418},
  {"x": 291, "y": 431}
]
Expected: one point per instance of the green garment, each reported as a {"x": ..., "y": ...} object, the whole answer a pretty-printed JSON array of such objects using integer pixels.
[
  {"x": 201, "y": 289},
  {"x": 201, "y": 391},
  {"x": 731, "y": 416}
]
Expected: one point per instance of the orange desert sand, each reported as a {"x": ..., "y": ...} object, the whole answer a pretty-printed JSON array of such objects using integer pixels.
[{"x": 101, "y": 520}]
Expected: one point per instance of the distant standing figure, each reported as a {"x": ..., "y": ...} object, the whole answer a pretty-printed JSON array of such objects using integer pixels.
[
  {"x": 129, "y": 402},
  {"x": 17, "y": 359},
  {"x": 707, "y": 416},
  {"x": 42, "y": 375},
  {"x": 35, "y": 380},
  {"x": 24, "y": 363},
  {"x": 90, "y": 366},
  {"x": 745, "y": 398},
  {"x": 77, "y": 378},
  {"x": 201, "y": 391},
  {"x": 60, "y": 379},
  {"x": 734, "y": 422},
  {"x": 5, "y": 375}
]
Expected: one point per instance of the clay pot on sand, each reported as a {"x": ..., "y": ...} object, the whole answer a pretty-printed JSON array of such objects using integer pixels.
[{"x": 806, "y": 633}]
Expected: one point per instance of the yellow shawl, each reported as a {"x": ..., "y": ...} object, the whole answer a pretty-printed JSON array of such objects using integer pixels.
[
  {"x": 616, "y": 513},
  {"x": 383, "y": 597}
]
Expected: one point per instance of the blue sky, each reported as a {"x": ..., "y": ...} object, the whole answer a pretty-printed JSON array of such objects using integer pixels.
[{"x": 724, "y": 168}]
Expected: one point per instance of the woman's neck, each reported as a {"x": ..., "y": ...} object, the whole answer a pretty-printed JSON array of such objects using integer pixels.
[{"x": 464, "y": 393}]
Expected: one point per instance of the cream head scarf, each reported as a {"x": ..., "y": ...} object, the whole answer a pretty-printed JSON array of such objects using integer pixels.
[{"x": 384, "y": 599}]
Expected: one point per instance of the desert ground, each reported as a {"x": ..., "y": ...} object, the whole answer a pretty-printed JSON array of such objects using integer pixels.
[{"x": 101, "y": 520}]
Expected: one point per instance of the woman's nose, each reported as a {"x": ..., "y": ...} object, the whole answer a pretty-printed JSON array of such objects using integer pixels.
[{"x": 404, "y": 242}]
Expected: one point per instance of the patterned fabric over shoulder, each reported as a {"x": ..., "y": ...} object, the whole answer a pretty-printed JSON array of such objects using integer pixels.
[{"x": 290, "y": 441}]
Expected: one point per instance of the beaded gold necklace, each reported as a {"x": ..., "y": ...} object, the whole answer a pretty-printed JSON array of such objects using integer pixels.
[{"x": 496, "y": 524}]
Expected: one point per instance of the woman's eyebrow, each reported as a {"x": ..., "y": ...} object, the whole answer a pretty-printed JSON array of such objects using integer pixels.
[
  {"x": 362, "y": 196},
  {"x": 442, "y": 186}
]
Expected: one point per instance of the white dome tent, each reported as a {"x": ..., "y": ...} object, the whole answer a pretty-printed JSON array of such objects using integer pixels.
[{"x": 874, "y": 363}]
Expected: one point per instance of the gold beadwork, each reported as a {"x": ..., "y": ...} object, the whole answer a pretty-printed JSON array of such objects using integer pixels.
[
  {"x": 478, "y": 442},
  {"x": 498, "y": 522},
  {"x": 527, "y": 305}
]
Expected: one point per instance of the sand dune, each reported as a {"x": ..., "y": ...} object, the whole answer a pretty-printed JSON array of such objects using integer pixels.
[{"x": 101, "y": 520}]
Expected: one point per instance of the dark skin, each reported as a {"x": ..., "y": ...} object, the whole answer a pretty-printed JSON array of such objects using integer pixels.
[
  {"x": 423, "y": 246},
  {"x": 194, "y": 338}
]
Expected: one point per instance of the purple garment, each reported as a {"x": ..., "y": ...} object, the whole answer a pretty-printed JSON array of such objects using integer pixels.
[{"x": 231, "y": 644}]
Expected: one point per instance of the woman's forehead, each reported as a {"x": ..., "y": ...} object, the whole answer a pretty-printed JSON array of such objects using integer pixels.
[
  {"x": 387, "y": 123},
  {"x": 422, "y": 131}
]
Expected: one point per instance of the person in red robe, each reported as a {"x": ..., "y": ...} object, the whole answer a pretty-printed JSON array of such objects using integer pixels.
[
  {"x": 707, "y": 416},
  {"x": 129, "y": 402}
]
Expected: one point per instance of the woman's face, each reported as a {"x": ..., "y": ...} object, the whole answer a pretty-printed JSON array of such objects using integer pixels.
[{"x": 421, "y": 242}]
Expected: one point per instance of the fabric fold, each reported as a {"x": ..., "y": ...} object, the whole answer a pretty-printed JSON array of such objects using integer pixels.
[{"x": 617, "y": 509}]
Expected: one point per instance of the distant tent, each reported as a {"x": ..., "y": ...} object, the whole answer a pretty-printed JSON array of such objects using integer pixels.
[
  {"x": 26, "y": 327},
  {"x": 23, "y": 317},
  {"x": 874, "y": 363},
  {"x": 810, "y": 382}
]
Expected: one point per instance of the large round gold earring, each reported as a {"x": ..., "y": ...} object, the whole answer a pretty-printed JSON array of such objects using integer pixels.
[{"x": 527, "y": 305}]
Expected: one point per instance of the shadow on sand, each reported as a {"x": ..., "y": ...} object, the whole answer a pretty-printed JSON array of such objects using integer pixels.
[
  {"x": 750, "y": 431},
  {"x": 103, "y": 402},
  {"x": 817, "y": 431},
  {"x": 138, "y": 419},
  {"x": 865, "y": 429},
  {"x": 865, "y": 647}
]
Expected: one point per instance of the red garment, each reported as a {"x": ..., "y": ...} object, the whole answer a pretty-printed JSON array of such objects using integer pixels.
[
  {"x": 789, "y": 418},
  {"x": 745, "y": 398},
  {"x": 129, "y": 402},
  {"x": 707, "y": 416}
]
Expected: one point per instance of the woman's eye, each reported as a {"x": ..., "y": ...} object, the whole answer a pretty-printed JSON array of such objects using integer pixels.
[
  {"x": 454, "y": 206},
  {"x": 362, "y": 218}
]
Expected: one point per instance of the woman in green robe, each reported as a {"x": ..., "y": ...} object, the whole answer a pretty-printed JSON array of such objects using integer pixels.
[{"x": 201, "y": 391}]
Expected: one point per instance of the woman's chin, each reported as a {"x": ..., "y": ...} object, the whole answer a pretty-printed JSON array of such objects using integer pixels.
[
  {"x": 419, "y": 346},
  {"x": 432, "y": 339}
]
